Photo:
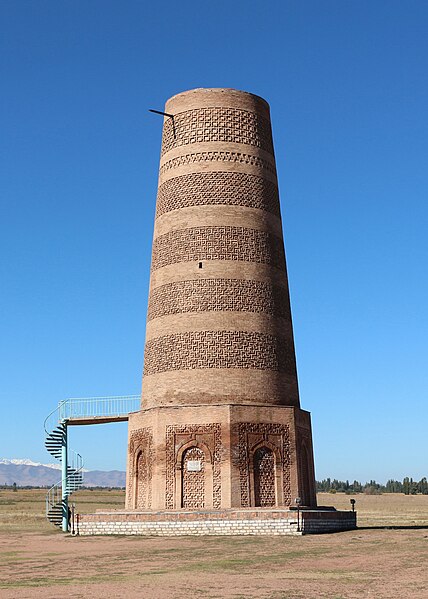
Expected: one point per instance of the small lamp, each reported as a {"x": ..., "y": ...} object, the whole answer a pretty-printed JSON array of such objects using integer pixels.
[{"x": 352, "y": 504}]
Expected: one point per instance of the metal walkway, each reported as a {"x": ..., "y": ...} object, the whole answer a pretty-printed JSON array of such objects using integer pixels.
[{"x": 72, "y": 412}]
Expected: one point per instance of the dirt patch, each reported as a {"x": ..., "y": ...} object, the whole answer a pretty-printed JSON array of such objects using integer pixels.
[{"x": 370, "y": 562}]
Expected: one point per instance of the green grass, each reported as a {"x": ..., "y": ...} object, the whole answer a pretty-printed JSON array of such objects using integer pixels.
[{"x": 23, "y": 511}]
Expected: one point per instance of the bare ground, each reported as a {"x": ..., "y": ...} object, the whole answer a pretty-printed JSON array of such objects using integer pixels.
[{"x": 370, "y": 562}]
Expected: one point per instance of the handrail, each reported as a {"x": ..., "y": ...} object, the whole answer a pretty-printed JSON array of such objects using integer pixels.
[
  {"x": 90, "y": 407},
  {"x": 87, "y": 407}
]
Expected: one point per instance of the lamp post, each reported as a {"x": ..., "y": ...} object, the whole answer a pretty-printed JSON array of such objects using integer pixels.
[
  {"x": 298, "y": 501},
  {"x": 73, "y": 507},
  {"x": 352, "y": 504}
]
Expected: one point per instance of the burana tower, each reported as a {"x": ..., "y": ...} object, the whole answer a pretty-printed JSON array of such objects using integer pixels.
[{"x": 220, "y": 424}]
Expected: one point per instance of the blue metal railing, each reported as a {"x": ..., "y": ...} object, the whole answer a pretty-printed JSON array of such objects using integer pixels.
[{"x": 93, "y": 407}]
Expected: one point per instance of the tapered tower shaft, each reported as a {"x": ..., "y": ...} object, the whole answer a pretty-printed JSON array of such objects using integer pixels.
[
  {"x": 220, "y": 424},
  {"x": 219, "y": 322}
]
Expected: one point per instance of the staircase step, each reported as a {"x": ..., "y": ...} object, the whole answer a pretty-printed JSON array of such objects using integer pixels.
[{"x": 54, "y": 444}]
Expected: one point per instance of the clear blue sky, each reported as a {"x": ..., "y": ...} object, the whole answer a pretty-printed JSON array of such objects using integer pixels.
[{"x": 347, "y": 84}]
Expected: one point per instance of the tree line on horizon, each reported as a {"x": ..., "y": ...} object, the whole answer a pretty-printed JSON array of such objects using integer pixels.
[{"x": 408, "y": 486}]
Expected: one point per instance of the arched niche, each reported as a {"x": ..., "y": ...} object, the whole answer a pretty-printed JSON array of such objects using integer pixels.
[
  {"x": 304, "y": 475},
  {"x": 194, "y": 476},
  {"x": 141, "y": 479},
  {"x": 265, "y": 475}
]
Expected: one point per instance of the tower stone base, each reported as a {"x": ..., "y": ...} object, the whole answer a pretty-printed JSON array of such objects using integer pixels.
[
  {"x": 249, "y": 521},
  {"x": 219, "y": 457}
]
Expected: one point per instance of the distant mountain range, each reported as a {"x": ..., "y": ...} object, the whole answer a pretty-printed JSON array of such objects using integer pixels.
[{"x": 26, "y": 473}]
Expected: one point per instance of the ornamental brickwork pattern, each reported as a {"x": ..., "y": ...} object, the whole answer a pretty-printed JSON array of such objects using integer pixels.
[
  {"x": 229, "y": 125},
  {"x": 218, "y": 243},
  {"x": 214, "y": 295},
  {"x": 251, "y": 434},
  {"x": 216, "y": 188},
  {"x": 264, "y": 477},
  {"x": 193, "y": 481},
  {"x": 237, "y": 157},
  {"x": 176, "y": 437},
  {"x": 141, "y": 456},
  {"x": 219, "y": 349}
]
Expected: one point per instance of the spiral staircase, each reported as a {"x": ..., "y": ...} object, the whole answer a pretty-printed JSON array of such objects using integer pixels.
[
  {"x": 58, "y": 494},
  {"x": 77, "y": 411},
  {"x": 56, "y": 500}
]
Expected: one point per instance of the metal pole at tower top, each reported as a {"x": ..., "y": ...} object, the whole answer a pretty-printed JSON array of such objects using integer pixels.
[{"x": 64, "y": 495}]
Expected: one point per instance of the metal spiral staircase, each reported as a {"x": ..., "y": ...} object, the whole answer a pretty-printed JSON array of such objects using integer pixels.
[
  {"x": 77, "y": 411},
  {"x": 72, "y": 474}
]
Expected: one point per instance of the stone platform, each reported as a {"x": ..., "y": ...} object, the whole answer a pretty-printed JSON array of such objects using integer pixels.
[{"x": 257, "y": 522}]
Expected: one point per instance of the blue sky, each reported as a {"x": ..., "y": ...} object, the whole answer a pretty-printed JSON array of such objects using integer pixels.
[{"x": 347, "y": 86}]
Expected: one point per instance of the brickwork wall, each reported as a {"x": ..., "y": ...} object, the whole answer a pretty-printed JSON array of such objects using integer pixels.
[
  {"x": 219, "y": 188},
  {"x": 306, "y": 465},
  {"x": 217, "y": 157},
  {"x": 250, "y": 435},
  {"x": 221, "y": 523},
  {"x": 140, "y": 465},
  {"x": 218, "y": 243},
  {"x": 218, "y": 295},
  {"x": 177, "y": 436},
  {"x": 218, "y": 349},
  {"x": 228, "y": 125},
  {"x": 218, "y": 206}
]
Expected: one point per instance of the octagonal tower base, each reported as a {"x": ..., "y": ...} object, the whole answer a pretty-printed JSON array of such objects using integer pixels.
[{"x": 219, "y": 457}]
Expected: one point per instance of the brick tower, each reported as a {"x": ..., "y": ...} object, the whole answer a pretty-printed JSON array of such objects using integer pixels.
[{"x": 220, "y": 424}]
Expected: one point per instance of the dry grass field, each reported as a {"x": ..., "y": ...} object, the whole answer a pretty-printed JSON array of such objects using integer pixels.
[{"x": 386, "y": 557}]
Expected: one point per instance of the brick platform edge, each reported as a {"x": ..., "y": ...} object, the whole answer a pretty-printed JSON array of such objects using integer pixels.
[{"x": 224, "y": 522}]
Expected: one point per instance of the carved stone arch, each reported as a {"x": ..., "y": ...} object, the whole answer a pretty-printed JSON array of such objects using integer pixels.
[
  {"x": 194, "y": 489},
  {"x": 269, "y": 445},
  {"x": 193, "y": 443},
  {"x": 265, "y": 475}
]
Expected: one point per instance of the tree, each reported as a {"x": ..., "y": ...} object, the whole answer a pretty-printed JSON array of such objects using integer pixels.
[
  {"x": 423, "y": 486},
  {"x": 406, "y": 486}
]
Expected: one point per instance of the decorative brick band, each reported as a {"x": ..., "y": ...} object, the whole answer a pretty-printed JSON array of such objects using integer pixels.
[
  {"x": 219, "y": 349},
  {"x": 215, "y": 295},
  {"x": 218, "y": 188},
  {"x": 218, "y": 243},
  {"x": 229, "y": 125},
  {"x": 195, "y": 157}
]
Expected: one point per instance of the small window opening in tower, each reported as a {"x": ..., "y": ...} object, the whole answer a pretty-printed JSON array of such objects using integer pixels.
[{"x": 200, "y": 264}]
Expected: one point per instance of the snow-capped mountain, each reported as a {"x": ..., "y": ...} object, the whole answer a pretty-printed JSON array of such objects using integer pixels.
[
  {"x": 26, "y": 473},
  {"x": 28, "y": 463}
]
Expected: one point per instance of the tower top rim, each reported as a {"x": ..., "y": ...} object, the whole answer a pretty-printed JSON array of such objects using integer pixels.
[{"x": 220, "y": 90}]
